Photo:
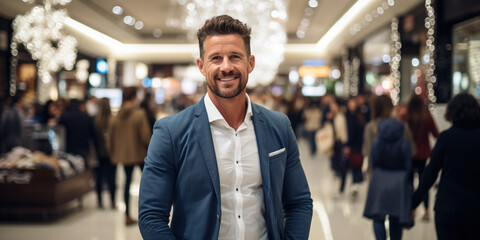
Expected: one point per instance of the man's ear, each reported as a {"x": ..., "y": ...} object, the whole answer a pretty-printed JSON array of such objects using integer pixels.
[
  {"x": 251, "y": 63},
  {"x": 200, "y": 66}
]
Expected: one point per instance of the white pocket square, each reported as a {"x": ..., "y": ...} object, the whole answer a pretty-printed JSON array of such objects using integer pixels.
[{"x": 276, "y": 152}]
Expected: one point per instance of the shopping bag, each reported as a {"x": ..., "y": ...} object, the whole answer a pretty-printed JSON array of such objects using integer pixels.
[{"x": 324, "y": 139}]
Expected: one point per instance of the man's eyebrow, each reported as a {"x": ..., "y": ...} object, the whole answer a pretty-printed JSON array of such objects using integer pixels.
[
  {"x": 230, "y": 52},
  {"x": 237, "y": 53}
]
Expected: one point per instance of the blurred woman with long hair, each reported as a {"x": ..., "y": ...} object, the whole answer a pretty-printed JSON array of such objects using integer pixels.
[
  {"x": 106, "y": 170},
  {"x": 421, "y": 124}
]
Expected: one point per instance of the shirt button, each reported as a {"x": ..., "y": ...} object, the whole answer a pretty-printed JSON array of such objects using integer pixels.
[
  {"x": 237, "y": 162},
  {"x": 238, "y": 216},
  {"x": 236, "y": 189}
]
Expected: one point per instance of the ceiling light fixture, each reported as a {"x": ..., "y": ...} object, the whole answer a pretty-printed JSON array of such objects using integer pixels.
[
  {"x": 313, "y": 3},
  {"x": 342, "y": 23},
  {"x": 117, "y": 10},
  {"x": 129, "y": 20},
  {"x": 157, "y": 33},
  {"x": 139, "y": 25}
]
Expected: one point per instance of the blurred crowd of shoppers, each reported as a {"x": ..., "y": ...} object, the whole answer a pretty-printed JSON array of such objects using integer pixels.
[
  {"x": 396, "y": 144},
  {"x": 372, "y": 139},
  {"x": 89, "y": 130}
]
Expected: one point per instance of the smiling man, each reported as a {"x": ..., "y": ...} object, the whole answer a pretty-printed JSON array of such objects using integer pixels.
[{"x": 229, "y": 168}]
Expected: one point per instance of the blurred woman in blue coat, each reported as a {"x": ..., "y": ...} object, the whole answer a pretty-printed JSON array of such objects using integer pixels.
[{"x": 390, "y": 189}]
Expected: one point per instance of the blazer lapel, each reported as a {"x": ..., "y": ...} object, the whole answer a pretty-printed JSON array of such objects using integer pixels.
[
  {"x": 204, "y": 138},
  {"x": 262, "y": 135}
]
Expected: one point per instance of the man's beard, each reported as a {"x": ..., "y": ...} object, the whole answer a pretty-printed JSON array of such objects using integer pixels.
[{"x": 226, "y": 94}]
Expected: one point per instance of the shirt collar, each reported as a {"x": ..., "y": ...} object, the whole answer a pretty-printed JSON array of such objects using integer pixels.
[{"x": 214, "y": 114}]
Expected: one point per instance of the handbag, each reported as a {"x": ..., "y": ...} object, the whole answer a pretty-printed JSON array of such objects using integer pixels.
[
  {"x": 355, "y": 159},
  {"x": 324, "y": 139}
]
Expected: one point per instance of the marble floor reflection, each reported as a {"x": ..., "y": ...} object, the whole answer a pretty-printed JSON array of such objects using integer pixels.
[{"x": 335, "y": 216}]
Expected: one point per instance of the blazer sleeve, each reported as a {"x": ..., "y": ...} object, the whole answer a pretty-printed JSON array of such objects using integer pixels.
[
  {"x": 297, "y": 201},
  {"x": 157, "y": 186}
]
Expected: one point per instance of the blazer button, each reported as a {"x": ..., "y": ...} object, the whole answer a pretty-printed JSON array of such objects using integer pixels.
[{"x": 218, "y": 218}]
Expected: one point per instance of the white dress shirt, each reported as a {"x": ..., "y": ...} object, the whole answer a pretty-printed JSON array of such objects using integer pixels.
[{"x": 241, "y": 191}]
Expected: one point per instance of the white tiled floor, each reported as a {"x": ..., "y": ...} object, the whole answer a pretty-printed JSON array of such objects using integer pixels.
[{"x": 335, "y": 217}]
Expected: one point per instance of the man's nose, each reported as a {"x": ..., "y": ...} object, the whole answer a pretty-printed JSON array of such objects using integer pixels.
[{"x": 226, "y": 65}]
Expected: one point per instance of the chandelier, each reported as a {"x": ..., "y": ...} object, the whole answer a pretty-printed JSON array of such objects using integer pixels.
[
  {"x": 267, "y": 19},
  {"x": 39, "y": 30}
]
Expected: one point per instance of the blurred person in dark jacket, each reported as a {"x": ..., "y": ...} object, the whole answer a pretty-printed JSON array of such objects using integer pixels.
[
  {"x": 79, "y": 130},
  {"x": 353, "y": 148},
  {"x": 12, "y": 123},
  {"x": 389, "y": 145},
  {"x": 128, "y": 137},
  {"x": 50, "y": 113},
  {"x": 390, "y": 189},
  {"x": 456, "y": 153}
]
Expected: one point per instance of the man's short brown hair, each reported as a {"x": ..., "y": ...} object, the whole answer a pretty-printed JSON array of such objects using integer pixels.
[{"x": 222, "y": 25}]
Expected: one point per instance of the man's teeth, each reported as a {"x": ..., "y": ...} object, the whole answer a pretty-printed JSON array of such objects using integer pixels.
[{"x": 226, "y": 79}]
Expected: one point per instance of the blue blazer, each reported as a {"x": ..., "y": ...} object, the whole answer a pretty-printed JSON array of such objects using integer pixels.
[{"x": 181, "y": 171}]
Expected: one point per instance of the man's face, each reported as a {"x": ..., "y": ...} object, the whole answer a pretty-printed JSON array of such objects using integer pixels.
[{"x": 225, "y": 65}]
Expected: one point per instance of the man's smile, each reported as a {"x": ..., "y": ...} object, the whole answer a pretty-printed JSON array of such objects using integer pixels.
[{"x": 227, "y": 79}]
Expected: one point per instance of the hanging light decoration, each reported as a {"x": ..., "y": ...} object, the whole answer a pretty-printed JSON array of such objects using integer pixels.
[
  {"x": 395, "y": 56},
  {"x": 13, "y": 69},
  {"x": 267, "y": 19},
  {"x": 355, "y": 76},
  {"x": 430, "y": 52},
  {"x": 39, "y": 30},
  {"x": 347, "y": 74}
]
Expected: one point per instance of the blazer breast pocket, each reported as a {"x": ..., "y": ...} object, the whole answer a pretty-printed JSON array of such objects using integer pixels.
[
  {"x": 277, "y": 154},
  {"x": 277, "y": 161}
]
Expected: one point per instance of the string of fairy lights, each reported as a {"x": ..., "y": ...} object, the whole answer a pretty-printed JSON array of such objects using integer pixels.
[
  {"x": 40, "y": 31},
  {"x": 395, "y": 58},
  {"x": 355, "y": 76},
  {"x": 346, "y": 75},
  {"x": 430, "y": 53},
  {"x": 13, "y": 69}
]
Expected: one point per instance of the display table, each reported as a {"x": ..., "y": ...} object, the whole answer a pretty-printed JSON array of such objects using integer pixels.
[{"x": 37, "y": 190}]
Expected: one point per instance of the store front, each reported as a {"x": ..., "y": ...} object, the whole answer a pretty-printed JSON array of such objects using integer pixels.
[
  {"x": 466, "y": 57},
  {"x": 457, "y": 51}
]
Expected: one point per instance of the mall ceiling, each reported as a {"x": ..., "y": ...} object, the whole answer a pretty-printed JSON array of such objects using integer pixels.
[{"x": 155, "y": 13}]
